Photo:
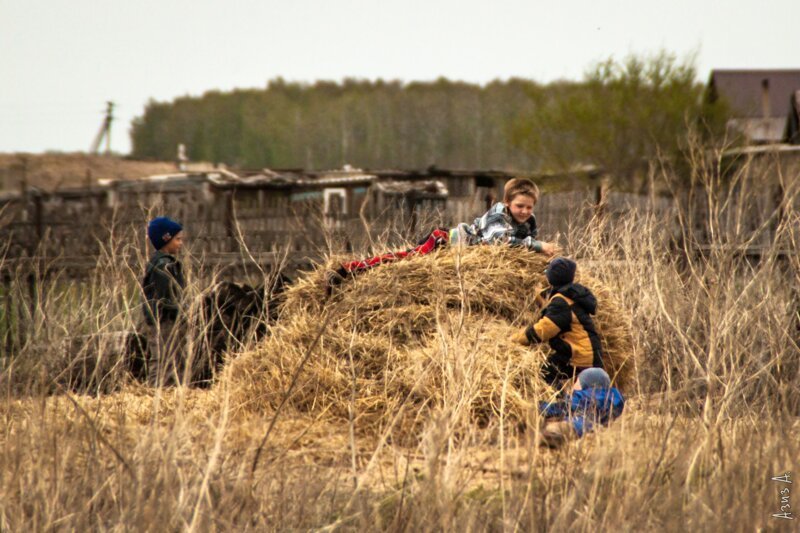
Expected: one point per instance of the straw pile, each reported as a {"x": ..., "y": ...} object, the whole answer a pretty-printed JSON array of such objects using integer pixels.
[{"x": 405, "y": 340}]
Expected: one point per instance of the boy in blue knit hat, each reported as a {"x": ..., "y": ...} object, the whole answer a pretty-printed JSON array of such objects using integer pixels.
[
  {"x": 592, "y": 402},
  {"x": 163, "y": 286},
  {"x": 163, "y": 281}
]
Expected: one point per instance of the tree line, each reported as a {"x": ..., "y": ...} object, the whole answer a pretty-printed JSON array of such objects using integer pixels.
[{"x": 619, "y": 114}]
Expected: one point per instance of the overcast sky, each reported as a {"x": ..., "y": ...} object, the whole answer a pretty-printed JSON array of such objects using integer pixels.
[{"x": 60, "y": 60}]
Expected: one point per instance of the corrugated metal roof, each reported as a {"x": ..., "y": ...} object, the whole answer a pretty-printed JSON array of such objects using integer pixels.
[
  {"x": 431, "y": 187},
  {"x": 263, "y": 178},
  {"x": 159, "y": 179},
  {"x": 435, "y": 172},
  {"x": 284, "y": 178},
  {"x": 350, "y": 179},
  {"x": 422, "y": 181},
  {"x": 279, "y": 179}
]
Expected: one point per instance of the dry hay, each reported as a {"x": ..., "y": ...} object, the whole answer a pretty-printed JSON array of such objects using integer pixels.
[
  {"x": 141, "y": 427},
  {"x": 394, "y": 346}
]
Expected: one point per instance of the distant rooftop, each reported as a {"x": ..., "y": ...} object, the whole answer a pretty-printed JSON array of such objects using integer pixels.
[
  {"x": 747, "y": 91},
  {"x": 760, "y": 100}
]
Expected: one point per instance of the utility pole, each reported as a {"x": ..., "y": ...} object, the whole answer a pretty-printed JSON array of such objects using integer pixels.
[{"x": 105, "y": 131}]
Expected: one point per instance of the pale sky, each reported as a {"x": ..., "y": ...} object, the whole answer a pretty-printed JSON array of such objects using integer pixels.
[{"x": 60, "y": 60}]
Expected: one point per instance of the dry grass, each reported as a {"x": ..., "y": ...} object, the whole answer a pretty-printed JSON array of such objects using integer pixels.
[{"x": 396, "y": 406}]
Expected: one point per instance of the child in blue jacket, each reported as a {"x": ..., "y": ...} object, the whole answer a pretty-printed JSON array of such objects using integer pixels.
[{"x": 592, "y": 402}]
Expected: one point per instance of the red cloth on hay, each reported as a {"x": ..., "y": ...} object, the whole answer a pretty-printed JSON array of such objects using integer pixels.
[{"x": 436, "y": 238}]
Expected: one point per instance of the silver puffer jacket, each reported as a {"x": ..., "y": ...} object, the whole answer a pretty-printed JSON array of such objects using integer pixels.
[{"x": 498, "y": 226}]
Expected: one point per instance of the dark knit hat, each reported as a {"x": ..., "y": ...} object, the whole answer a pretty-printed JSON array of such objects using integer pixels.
[
  {"x": 594, "y": 378},
  {"x": 561, "y": 271},
  {"x": 161, "y": 230}
]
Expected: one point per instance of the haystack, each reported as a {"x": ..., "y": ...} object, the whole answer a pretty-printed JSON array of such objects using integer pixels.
[{"x": 392, "y": 347}]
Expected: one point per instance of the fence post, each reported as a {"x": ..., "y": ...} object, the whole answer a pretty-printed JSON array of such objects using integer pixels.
[
  {"x": 8, "y": 316},
  {"x": 36, "y": 263},
  {"x": 779, "y": 201},
  {"x": 33, "y": 295},
  {"x": 600, "y": 192},
  {"x": 230, "y": 222}
]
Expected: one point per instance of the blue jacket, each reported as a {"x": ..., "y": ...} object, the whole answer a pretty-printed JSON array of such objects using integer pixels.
[{"x": 586, "y": 408}]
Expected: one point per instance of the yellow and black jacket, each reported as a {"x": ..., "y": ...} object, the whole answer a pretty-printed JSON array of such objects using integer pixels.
[{"x": 567, "y": 325}]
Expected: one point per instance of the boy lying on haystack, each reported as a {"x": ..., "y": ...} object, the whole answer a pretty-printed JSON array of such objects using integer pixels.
[{"x": 508, "y": 222}]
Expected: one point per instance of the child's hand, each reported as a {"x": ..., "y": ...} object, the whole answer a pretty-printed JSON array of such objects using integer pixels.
[
  {"x": 549, "y": 248},
  {"x": 520, "y": 338}
]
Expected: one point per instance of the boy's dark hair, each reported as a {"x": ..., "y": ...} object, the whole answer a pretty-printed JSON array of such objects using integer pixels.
[{"x": 516, "y": 186}]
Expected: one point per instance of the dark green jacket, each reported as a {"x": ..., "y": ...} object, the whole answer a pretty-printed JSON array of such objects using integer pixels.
[{"x": 163, "y": 286}]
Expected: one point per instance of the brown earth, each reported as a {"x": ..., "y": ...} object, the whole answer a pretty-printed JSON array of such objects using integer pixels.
[{"x": 53, "y": 171}]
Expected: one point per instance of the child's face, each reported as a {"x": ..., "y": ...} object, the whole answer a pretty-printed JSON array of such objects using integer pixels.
[
  {"x": 521, "y": 208},
  {"x": 174, "y": 245}
]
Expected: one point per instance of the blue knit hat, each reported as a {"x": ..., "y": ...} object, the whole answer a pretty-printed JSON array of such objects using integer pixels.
[
  {"x": 161, "y": 230},
  {"x": 561, "y": 271},
  {"x": 594, "y": 378}
]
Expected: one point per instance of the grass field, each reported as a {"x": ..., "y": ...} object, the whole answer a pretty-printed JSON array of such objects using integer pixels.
[{"x": 417, "y": 420}]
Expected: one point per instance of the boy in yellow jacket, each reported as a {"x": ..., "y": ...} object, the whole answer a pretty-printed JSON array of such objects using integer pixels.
[{"x": 566, "y": 325}]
